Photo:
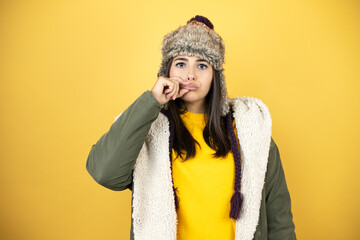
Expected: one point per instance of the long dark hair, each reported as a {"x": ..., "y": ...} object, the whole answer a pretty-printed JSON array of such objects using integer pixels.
[
  {"x": 215, "y": 131},
  {"x": 218, "y": 134}
]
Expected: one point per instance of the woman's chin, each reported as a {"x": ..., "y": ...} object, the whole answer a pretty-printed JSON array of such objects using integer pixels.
[{"x": 190, "y": 97}]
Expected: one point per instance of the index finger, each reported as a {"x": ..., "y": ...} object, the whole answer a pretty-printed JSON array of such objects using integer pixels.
[{"x": 181, "y": 80}]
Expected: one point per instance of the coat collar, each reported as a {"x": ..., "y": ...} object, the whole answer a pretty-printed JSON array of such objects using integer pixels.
[{"x": 154, "y": 214}]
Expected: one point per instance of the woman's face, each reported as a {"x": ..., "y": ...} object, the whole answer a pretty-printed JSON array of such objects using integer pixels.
[{"x": 193, "y": 68}]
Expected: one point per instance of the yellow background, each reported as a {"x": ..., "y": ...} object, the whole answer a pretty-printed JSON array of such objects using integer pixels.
[{"x": 67, "y": 68}]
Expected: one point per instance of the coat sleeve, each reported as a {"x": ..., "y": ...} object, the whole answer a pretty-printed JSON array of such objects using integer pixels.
[
  {"x": 111, "y": 160},
  {"x": 278, "y": 202}
]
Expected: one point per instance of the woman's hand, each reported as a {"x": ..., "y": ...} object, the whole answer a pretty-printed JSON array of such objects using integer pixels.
[{"x": 166, "y": 89}]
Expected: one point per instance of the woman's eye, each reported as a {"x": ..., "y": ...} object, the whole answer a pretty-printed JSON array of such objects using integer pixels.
[
  {"x": 178, "y": 63},
  {"x": 203, "y": 66}
]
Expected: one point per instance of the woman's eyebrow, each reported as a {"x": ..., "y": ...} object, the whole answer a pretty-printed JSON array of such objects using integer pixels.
[{"x": 185, "y": 59}]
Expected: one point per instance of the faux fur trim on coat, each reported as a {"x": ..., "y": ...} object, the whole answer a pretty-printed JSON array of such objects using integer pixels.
[{"x": 154, "y": 214}]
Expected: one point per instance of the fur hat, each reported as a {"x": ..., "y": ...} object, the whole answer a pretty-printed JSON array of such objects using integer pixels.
[{"x": 197, "y": 38}]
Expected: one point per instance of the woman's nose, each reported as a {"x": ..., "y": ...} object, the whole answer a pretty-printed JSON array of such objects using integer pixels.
[
  {"x": 191, "y": 78},
  {"x": 191, "y": 75}
]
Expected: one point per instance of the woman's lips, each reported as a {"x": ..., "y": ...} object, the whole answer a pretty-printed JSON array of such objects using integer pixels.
[{"x": 189, "y": 87}]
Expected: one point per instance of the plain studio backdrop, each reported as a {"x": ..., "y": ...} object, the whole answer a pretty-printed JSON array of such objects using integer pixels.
[{"x": 68, "y": 68}]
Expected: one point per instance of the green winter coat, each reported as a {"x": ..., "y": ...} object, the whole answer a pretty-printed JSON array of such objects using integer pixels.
[{"x": 112, "y": 159}]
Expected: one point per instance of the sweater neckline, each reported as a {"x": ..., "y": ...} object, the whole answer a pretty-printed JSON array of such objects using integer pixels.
[{"x": 193, "y": 117}]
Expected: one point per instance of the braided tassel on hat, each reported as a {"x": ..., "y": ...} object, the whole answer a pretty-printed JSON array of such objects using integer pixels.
[{"x": 237, "y": 198}]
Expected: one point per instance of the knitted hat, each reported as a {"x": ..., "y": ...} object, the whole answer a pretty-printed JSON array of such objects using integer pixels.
[{"x": 197, "y": 38}]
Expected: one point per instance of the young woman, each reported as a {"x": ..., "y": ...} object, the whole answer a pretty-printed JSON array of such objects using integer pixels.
[{"x": 199, "y": 164}]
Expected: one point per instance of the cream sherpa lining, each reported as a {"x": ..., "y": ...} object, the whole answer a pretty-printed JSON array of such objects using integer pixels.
[{"x": 154, "y": 214}]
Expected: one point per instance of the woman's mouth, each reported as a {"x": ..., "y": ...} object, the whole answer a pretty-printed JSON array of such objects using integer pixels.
[{"x": 189, "y": 87}]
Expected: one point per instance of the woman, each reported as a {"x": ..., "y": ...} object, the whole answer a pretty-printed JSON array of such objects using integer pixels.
[{"x": 199, "y": 165}]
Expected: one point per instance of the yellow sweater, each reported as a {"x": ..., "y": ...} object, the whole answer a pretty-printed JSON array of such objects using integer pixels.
[{"x": 205, "y": 186}]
